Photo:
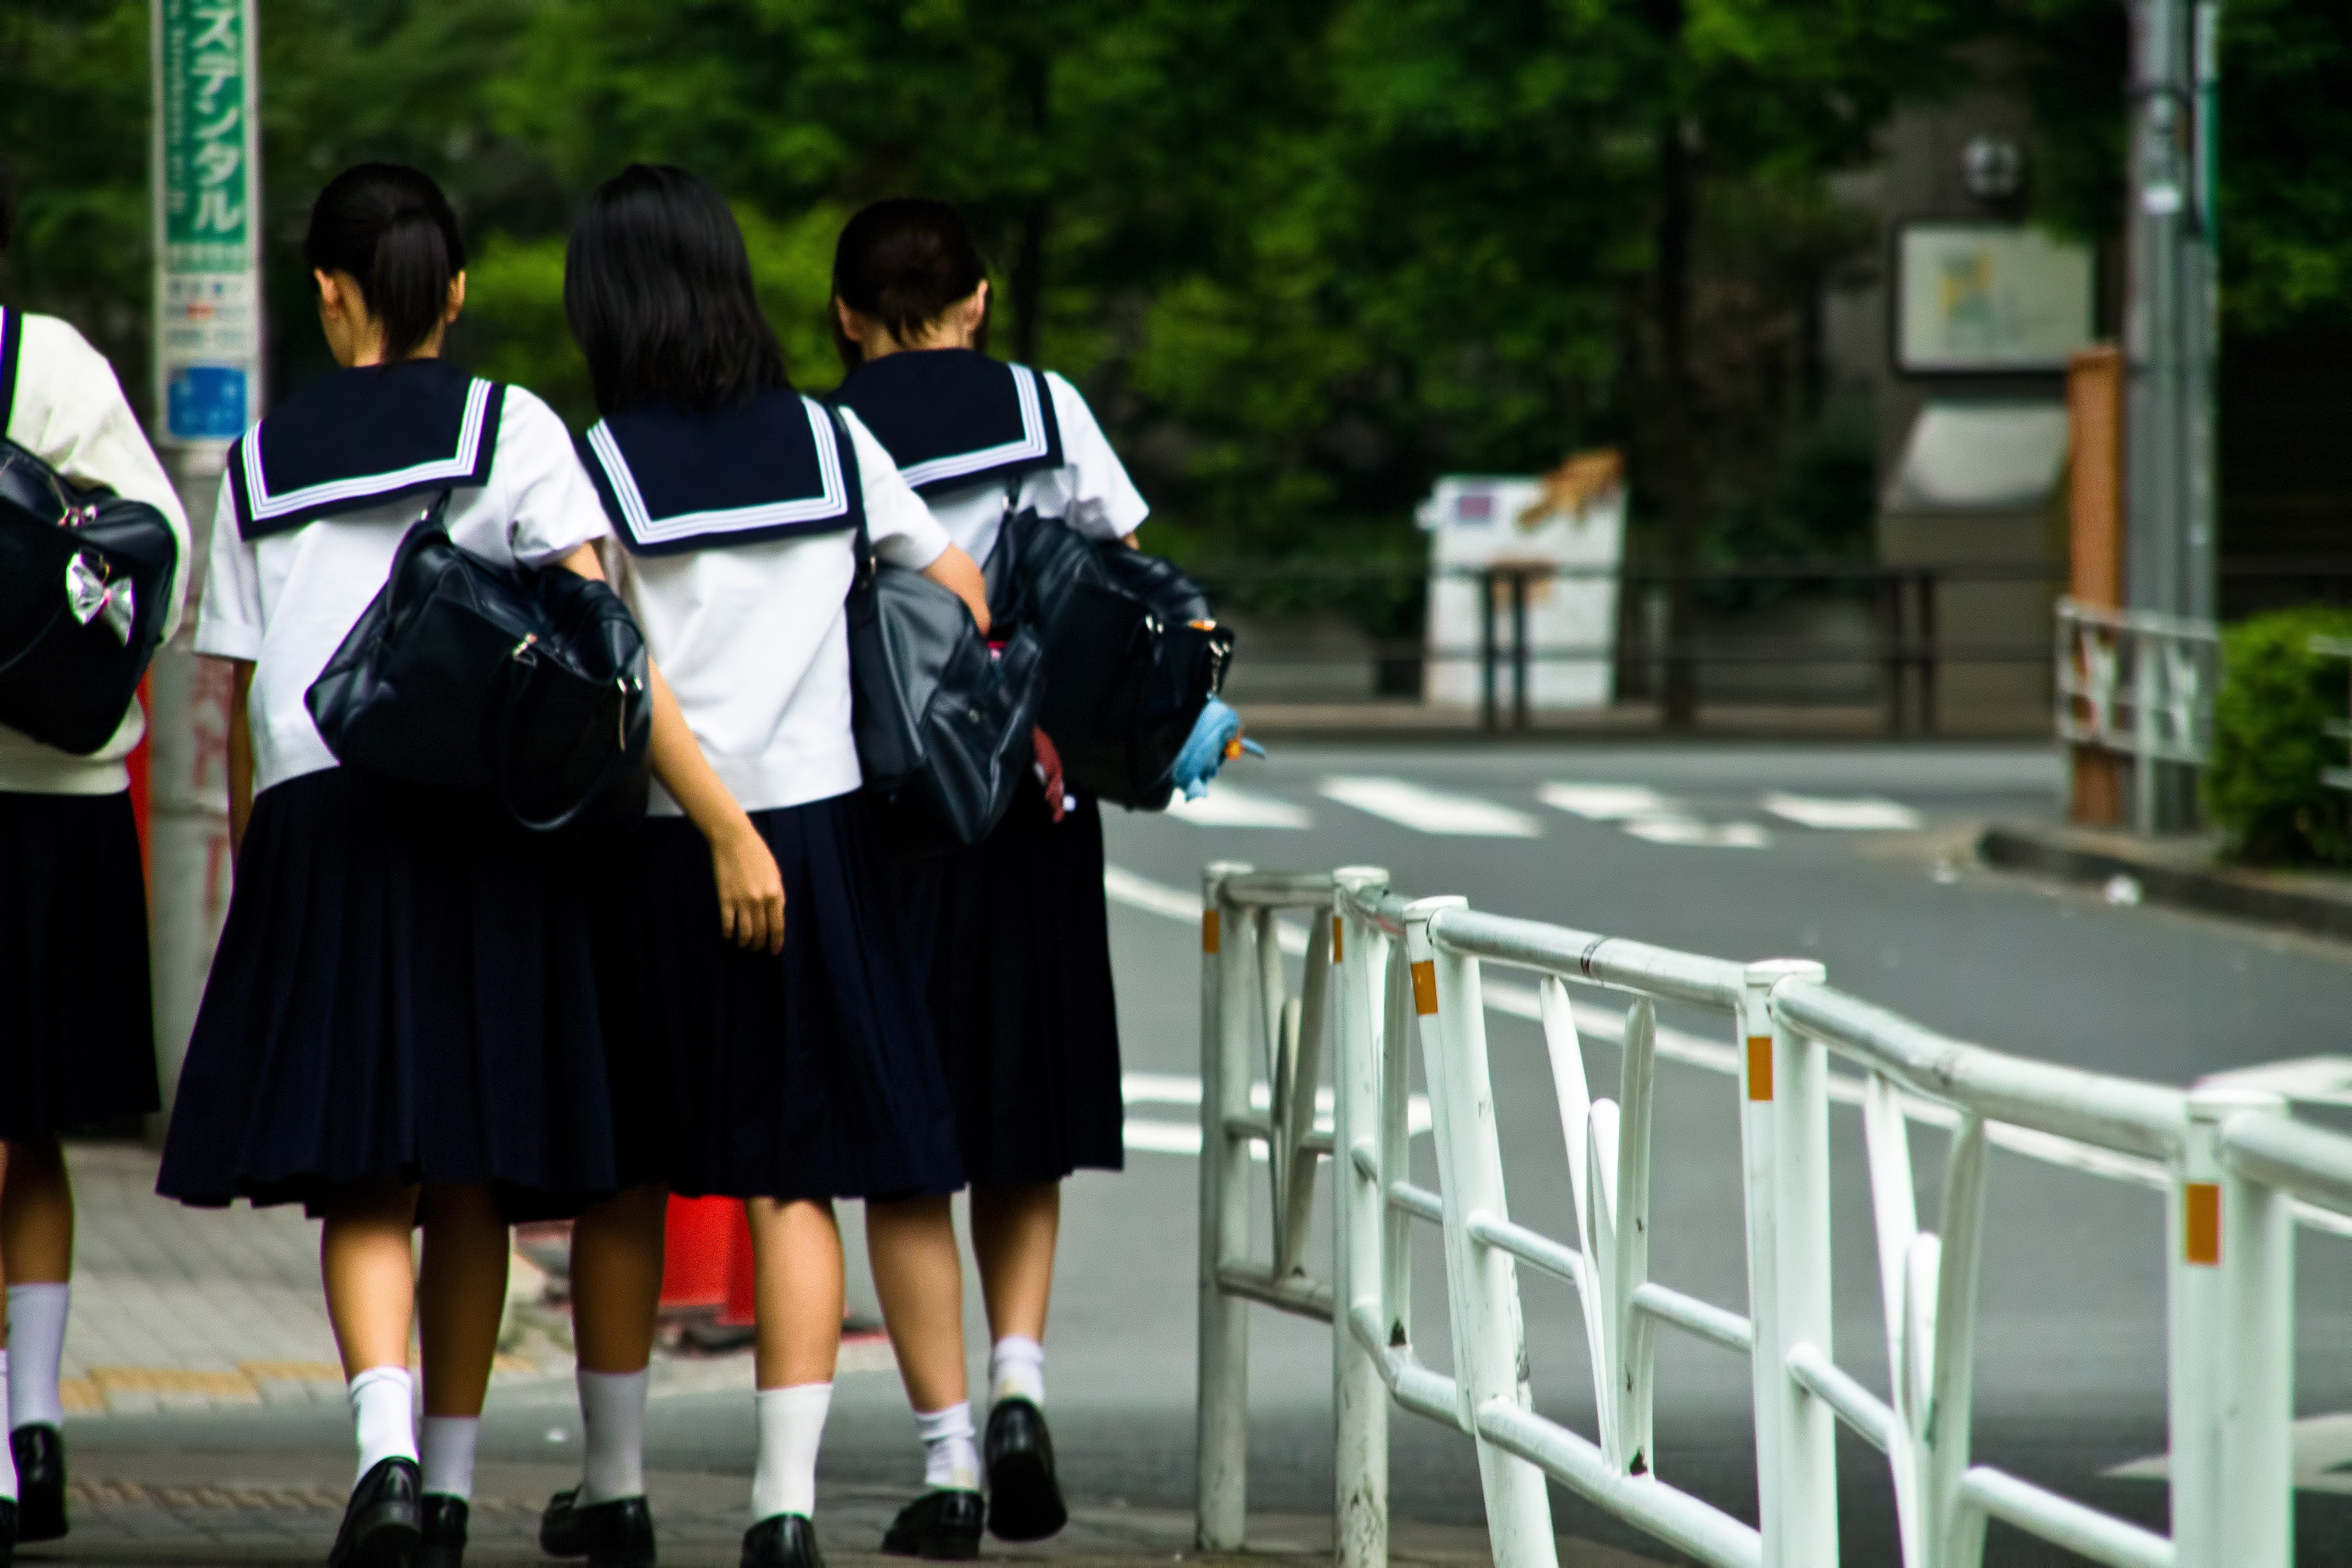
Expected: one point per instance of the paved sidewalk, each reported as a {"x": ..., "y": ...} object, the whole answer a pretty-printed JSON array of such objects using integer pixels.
[{"x": 182, "y": 1308}]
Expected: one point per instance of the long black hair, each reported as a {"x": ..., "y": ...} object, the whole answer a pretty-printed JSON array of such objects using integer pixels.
[
  {"x": 390, "y": 227},
  {"x": 903, "y": 262},
  {"x": 658, "y": 287}
]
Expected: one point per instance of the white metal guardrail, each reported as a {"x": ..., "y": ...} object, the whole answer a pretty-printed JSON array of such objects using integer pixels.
[
  {"x": 2140, "y": 683},
  {"x": 1383, "y": 975}
]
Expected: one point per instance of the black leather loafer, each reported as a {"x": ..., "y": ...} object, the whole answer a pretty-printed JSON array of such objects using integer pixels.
[
  {"x": 445, "y": 1532},
  {"x": 1025, "y": 1499},
  {"x": 618, "y": 1533},
  {"x": 942, "y": 1525},
  {"x": 39, "y": 1450},
  {"x": 382, "y": 1522},
  {"x": 7, "y": 1533},
  {"x": 782, "y": 1541}
]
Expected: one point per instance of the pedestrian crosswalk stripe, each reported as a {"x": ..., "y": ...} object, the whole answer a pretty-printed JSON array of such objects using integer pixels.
[
  {"x": 1706, "y": 835},
  {"x": 1431, "y": 811},
  {"x": 1225, "y": 806},
  {"x": 1156, "y": 1135},
  {"x": 1857, "y": 814},
  {"x": 1605, "y": 802}
]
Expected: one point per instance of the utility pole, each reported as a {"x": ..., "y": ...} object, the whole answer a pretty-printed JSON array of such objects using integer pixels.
[
  {"x": 2169, "y": 340},
  {"x": 206, "y": 152}
]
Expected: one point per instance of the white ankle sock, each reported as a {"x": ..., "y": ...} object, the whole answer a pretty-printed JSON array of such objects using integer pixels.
[
  {"x": 382, "y": 1415},
  {"x": 7, "y": 1455},
  {"x": 37, "y": 1343},
  {"x": 791, "y": 1430},
  {"x": 613, "y": 1410},
  {"x": 950, "y": 1458},
  {"x": 448, "y": 1442},
  {"x": 1016, "y": 1370}
]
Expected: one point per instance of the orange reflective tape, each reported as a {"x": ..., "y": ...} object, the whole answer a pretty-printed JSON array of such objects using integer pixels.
[
  {"x": 1425, "y": 987},
  {"x": 1208, "y": 930},
  {"x": 2201, "y": 1211},
  {"x": 1339, "y": 942},
  {"x": 1760, "y": 1066}
]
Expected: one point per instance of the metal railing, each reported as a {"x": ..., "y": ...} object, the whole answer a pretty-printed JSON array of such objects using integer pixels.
[
  {"x": 1383, "y": 975},
  {"x": 2337, "y": 728},
  {"x": 2140, "y": 683}
]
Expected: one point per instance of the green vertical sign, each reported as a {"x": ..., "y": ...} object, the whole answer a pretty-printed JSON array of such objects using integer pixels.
[{"x": 208, "y": 220}]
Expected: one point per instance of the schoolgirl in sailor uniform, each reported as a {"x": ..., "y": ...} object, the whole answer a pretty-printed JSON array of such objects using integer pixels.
[
  {"x": 77, "y": 1033},
  {"x": 798, "y": 1068},
  {"x": 1019, "y": 940},
  {"x": 401, "y": 1026}
]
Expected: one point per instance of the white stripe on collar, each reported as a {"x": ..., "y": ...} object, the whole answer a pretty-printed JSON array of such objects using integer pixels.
[
  {"x": 648, "y": 529},
  {"x": 267, "y": 507},
  {"x": 1031, "y": 444}
]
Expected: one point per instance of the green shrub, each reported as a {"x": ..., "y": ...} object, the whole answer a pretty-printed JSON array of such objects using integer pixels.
[{"x": 2270, "y": 740}]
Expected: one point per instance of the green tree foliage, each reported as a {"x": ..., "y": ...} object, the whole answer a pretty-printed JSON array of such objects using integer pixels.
[
  {"x": 1301, "y": 254},
  {"x": 2270, "y": 740}
]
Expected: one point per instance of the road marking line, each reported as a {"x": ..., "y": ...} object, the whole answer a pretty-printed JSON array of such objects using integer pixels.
[
  {"x": 1686, "y": 830},
  {"x": 1605, "y": 802},
  {"x": 1858, "y": 814},
  {"x": 1152, "y": 1135},
  {"x": 1431, "y": 811},
  {"x": 1225, "y": 806}
]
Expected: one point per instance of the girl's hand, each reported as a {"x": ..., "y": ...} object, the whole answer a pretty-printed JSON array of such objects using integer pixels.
[
  {"x": 750, "y": 889},
  {"x": 1049, "y": 773}
]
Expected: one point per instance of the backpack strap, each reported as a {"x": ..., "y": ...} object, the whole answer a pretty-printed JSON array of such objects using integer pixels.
[{"x": 10, "y": 347}]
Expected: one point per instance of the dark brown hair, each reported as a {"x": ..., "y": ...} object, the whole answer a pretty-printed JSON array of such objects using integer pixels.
[{"x": 904, "y": 262}]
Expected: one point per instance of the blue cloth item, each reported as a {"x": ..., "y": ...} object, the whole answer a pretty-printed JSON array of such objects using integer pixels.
[{"x": 1204, "y": 750}]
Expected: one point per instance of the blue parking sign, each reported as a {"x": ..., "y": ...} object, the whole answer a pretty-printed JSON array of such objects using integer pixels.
[{"x": 207, "y": 402}]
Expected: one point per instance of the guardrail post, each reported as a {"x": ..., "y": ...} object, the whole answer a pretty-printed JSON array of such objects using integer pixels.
[
  {"x": 2233, "y": 1462},
  {"x": 1784, "y": 1141},
  {"x": 1228, "y": 1019},
  {"x": 1360, "y": 1399},
  {"x": 1490, "y": 1354}
]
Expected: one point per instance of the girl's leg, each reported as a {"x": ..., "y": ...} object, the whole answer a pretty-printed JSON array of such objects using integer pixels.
[
  {"x": 1014, "y": 1229},
  {"x": 616, "y": 1275},
  {"x": 36, "y": 1241},
  {"x": 461, "y": 1297},
  {"x": 912, "y": 1246},
  {"x": 365, "y": 1263},
  {"x": 796, "y": 1246}
]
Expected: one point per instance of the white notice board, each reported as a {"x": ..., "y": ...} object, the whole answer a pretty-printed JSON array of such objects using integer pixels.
[{"x": 1989, "y": 297}]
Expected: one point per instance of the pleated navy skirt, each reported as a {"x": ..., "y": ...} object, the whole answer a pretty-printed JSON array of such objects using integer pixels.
[
  {"x": 76, "y": 1028},
  {"x": 1016, "y": 942},
  {"x": 404, "y": 991},
  {"x": 805, "y": 1074}
]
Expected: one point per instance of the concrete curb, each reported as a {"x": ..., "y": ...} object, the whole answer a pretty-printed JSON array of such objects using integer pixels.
[{"x": 2079, "y": 854}]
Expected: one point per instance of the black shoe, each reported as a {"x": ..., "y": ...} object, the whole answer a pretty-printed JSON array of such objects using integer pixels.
[
  {"x": 7, "y": 1533},
  {"x": 944, "y": 1525},
  {"x": 39, "y": 1450},
  {"x": 383, "y": 1522},
  {"x": 1025, "y": 1501},
  {"x": 782, "y": 1541},
  {"x": 445, "y": 1532},
  {"x": 615, "y": 1534}
]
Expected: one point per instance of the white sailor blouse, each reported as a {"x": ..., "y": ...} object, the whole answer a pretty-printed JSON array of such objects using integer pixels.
[
  {"x": 60, "y": 401},
  {"x": 319, "y": 495},
  {"x": 735, "y": 534},
  {"x": 980, "y": 438}
]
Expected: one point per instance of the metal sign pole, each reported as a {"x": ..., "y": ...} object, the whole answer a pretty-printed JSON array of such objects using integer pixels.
[{"x": 206, "y": 152}]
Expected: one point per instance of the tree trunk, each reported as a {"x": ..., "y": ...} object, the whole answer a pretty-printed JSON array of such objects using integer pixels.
[{"x": 1677, "y": 450}]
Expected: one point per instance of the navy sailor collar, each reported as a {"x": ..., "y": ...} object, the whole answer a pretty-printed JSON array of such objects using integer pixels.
[
  {"x": 776, "y": 468},
  {"x": 949, "y": 416},
  {"x": 362, "y": 437}
]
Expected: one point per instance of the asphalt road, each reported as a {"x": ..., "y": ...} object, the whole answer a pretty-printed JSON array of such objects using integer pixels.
[{"x": 2069, "y": 1380}]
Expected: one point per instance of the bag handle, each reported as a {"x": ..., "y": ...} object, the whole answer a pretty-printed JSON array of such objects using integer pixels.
[{"x": 522, "y": 658}]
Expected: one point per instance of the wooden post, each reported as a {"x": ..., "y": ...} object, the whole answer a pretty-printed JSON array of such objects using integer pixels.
[{"x": 2095, "y": 479}]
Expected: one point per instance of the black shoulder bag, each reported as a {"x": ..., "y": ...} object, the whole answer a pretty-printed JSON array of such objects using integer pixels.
[
  {"x": 528, "y": 685},
  {"x": 942, "y": 725},
  {"x": 85, "y": 577},
  {"x": 1131, "y": 653}
]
